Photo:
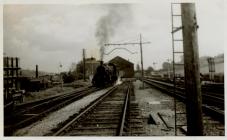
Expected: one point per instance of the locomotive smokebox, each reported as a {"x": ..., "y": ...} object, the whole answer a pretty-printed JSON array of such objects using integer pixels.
[{"x": 105, "y": 75}]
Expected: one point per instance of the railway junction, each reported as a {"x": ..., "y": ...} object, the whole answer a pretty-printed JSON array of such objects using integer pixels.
[
  {"x": 116, "y": 100},
  {"x": 126, "y": 109}
]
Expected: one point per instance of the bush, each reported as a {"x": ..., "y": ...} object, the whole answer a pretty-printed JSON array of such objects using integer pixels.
[{"x": 68, "y": 77}]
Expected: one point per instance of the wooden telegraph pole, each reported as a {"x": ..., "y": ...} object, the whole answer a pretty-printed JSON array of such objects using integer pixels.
[
  {"x": 211, "y": 65},
  {"x": 192, "y": 72},
  {"x": 141, "y": 55},
  {"x": 84, "y": 70}
]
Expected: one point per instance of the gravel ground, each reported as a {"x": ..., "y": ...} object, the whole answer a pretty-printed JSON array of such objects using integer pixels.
[
  {"x": 50, "y": 122},
  {"x": 155, "y": 103}
]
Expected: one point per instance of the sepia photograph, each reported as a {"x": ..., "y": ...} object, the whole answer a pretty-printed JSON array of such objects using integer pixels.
[{"x": 139, "y": 69}]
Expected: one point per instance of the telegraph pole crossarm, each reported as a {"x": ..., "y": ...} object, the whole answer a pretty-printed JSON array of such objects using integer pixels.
[{"x": 126, "y": 43}]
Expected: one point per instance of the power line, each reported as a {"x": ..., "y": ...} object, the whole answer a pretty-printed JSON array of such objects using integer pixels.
[
  {"x": 119, "y": 49},
  {"x": 132, "y": 43}
]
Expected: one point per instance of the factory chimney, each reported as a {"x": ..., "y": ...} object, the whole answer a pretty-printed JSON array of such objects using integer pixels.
[{"x": 36, "y": 71}]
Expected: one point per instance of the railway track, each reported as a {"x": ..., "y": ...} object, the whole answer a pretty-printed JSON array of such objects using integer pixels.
[
  {"x": 26, "y": 114},
  {"x": 212, "y": 88},
  {"x": 32, "y": 104},
  {"x": 113, "y": 114},
  {"x": 212, "y": 105}
]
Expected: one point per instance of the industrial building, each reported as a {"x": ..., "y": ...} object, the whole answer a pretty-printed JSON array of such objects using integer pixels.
[{"x": 125, "y": 68}]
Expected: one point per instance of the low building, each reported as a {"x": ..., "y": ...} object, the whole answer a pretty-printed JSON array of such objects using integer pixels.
[
  {"x": 125, "y": 68},
  {"x": 90, "y": 68},
  {"x": 91, "y": 64}
]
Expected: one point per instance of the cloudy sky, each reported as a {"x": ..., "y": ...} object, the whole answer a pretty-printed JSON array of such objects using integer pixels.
[{"x": 50, "y": 34}]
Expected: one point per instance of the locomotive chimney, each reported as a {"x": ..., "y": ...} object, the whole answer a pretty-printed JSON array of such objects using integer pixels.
[
  {"x": 36, "y": 71},
  {"x": 101, "y": 62}
]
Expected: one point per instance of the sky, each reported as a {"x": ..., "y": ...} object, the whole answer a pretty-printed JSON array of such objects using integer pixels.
[{"x": 54, "y": 34}]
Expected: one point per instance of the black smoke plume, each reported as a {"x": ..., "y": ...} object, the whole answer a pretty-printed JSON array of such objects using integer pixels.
[{"x": 109, "y": 24}]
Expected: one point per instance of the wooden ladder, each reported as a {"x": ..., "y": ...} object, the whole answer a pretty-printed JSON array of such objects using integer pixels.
[{"x": 177, "y": 50}]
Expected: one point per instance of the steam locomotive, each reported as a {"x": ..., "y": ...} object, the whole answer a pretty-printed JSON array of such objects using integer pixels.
[{"x": 105, "y": 75}]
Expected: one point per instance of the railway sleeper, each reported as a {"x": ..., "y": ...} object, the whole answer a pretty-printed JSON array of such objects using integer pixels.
[
  {"x": 106, "y": 115},
  {"x": 107, "y": 109},
  {"x": 134, "y": 110},
  {"x": 101, "y": 119},
  {"x": 104, "y": 118},
  {"x": 102, "y": 122},
  {"x": 134, "y": 107},
  {"x": 109, "y": 106},
  {"x": 107, "y": 112},
  {"x": 134, "y": 113},
  {"x": 130, "y": 117},
  {"x": 95, "y": 128},
  {"x": 97, "y": 125},
  {"x": 92, "y": 133}
]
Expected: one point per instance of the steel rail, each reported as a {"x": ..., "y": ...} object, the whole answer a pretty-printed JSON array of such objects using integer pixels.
[
  {"x": 84, "y": 112},
  {"x": 49, "y": 101},
  {"x": 218, "y": 114},
  {"x": 216, "y": 88},
  {"x": 28, "y": 120},
  {"x": 215, "y": 98},
  {"x": 39, "y": 101},
  {"x": 120, "y": 130}
]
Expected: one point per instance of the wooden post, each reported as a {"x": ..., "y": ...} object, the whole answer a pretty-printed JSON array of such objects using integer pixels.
[
  {"x": 36, "y": 71},
  {"x": 141, "y": 54},
  {"x": 7, "y": 79},
  {"x": 17, "y": 76},
  {"x": 84, "y": 70},
  {"x": 192, "y": 71},
  {"x": 211, "y": 66}
]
